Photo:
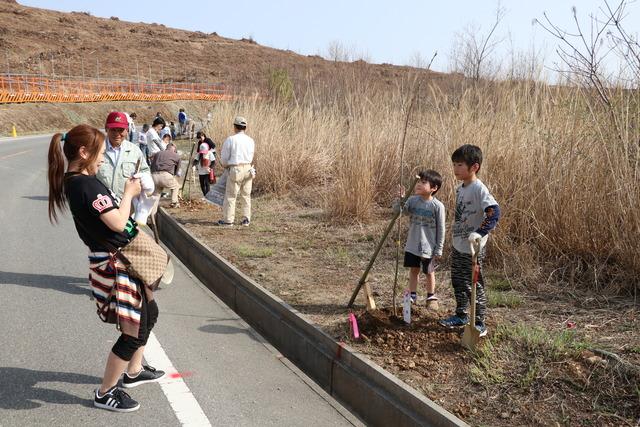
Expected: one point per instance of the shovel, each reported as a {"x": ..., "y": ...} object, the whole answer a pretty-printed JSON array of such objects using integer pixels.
[{"x": 471, "y": 335}]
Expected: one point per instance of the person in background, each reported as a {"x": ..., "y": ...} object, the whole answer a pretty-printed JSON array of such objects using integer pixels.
[
  {"x": 165, "y": 131},
  {"x": 205, "y": 161},
  {"x": 132, "y": 126},
  {"x": 154, "y": 141},
  {"x": 172, "y": 128},
  {"x": 142, "y": 141},
  {"x": 237, "y": 156},
  {"x": 182, "y": 121},
  {"x": 122, "y": 156},
  {"x": 165, "y": 166},
  {"x": 102, "y": 221},
  {"x": 202, "y": 138}
]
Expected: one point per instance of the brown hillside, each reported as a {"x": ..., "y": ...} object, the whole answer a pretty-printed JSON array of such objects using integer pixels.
[{"x": 41, "y": 41}]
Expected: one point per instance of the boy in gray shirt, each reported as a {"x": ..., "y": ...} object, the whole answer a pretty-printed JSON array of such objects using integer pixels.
[
  {"x": 425, "y": 238},
  {"x": 477, "y": 213}
]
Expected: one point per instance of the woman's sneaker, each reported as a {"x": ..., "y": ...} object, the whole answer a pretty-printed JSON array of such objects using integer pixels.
[
  {"x": 146, "y": 375},
  {"x": 115, "y": 400},
  {"x": 454, "y": 321}
]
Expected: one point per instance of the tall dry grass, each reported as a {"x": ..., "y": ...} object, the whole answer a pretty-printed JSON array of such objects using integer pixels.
[{"x": 564, "y": 175}]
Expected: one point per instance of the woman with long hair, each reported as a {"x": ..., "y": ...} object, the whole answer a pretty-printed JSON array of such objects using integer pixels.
[{"x": 102, "y": 222}]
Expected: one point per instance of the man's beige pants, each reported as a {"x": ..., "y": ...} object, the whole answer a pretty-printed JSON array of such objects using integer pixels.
[
  {"x": 163, "y": 180},
  {"x": 238, "y": 184}
]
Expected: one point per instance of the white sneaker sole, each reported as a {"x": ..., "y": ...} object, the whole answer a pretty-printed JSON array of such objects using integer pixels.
[{"x": 111, "y": 408}]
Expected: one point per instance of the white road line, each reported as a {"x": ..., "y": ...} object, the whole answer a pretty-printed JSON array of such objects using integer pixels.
[
  {"x": 14, "y": 154},
  {"x": 183, "y": 402}
]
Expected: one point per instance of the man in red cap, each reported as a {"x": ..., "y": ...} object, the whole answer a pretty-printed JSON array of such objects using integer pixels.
[{"x": 121, "y": 156}]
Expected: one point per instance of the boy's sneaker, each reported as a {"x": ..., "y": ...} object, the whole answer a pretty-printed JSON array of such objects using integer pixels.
[
  {"x": 245, "y": 222},
  {"x": 116, "y": 400},
  {"x": 432, "y": 303},
  {"x": 454, "y": 321},
  {"x": 146, "y": 375},
  {"x": 414, "y": 297},
  {"x": 482, "y": 328},
  {"x": 223, "y": 224}
]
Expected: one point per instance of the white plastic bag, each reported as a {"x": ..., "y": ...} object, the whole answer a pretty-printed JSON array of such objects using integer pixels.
[{"x": 217, "y": 191}]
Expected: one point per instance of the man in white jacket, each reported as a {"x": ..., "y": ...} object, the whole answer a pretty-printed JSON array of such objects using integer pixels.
[{"x": 237, "y": 156}]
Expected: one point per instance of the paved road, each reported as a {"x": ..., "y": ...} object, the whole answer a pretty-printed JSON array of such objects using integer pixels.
[{"x": 54, "y": 346}]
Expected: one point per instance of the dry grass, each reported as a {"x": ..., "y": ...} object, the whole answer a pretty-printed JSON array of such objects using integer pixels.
[{"x": 563, "y": 175}]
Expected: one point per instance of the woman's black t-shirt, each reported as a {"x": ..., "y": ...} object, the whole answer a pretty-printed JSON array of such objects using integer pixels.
[{"x": 89, "y": 198}]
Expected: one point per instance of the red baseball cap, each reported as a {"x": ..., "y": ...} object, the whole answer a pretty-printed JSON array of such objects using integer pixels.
[{"x": 117, "y": 120}]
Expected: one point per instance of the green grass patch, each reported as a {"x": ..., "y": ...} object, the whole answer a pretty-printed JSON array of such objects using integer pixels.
[
  {"x": 499, "y": 284},
  {"x": 253, "y": 252},
  {"x": 504, "y": 299},
  {"x": 486, "y": 369},
  {"x": 520, "y": 355}
]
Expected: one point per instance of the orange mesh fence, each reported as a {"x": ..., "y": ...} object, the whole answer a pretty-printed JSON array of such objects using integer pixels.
[{"x": 25, "y": 88}]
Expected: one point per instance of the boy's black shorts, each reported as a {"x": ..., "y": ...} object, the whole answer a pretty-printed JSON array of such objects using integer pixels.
[{"x": 411, "y": 260}]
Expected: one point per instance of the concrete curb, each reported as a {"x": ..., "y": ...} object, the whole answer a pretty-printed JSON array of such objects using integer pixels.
[{"x": 373, "y": 394}]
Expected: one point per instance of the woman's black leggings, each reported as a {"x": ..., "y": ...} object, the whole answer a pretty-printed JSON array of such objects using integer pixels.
[{"x": 126, "y": 345}]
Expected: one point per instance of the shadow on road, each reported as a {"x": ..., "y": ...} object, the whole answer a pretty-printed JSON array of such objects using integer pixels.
[
  {"x": 67, "y": 284},
  {"x": 227, "y": 329},
  {"x": 38, "y": 198},
  {"x": 23, "y": 388}
]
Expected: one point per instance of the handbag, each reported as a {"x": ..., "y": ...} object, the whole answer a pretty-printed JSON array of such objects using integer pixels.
[
  {"x": 144, "y": 259},
  {"x": 212, "y": 176},
  {"x": 142, "y": 256}
]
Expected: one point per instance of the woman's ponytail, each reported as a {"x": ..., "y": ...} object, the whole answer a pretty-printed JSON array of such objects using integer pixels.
[
  {"x": 79, "y": 136},
  {"x": 57, "y": 200}
]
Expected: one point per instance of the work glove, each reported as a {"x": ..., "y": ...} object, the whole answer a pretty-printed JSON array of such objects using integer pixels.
[
  {"x": 477, "y": 239},
  {"x": 144, "y": 206},
  {"x": 146, "y": 182}
]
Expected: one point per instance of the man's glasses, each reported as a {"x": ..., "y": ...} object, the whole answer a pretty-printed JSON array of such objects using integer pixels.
[{"x": 117, "y": 130}]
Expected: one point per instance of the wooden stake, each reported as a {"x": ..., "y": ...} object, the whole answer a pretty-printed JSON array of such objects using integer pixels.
[{"x": 371, "y": 303}]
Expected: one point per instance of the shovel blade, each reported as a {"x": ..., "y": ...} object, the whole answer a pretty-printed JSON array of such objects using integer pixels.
[
  {"x": 470, "y": 337},
  {"x": 169, "y": 272}
]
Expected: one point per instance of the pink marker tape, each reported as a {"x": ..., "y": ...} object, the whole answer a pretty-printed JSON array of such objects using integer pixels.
[
  {"x": 181, "y": 374},
  {"x": 354, "y": 326}
]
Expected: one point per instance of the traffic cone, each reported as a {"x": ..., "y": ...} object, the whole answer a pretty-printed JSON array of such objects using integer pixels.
[{"x": 14, "y": 133}]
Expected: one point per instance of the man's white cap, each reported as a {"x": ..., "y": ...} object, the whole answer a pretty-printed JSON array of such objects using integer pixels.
[{"x": 240, "y": 121}]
